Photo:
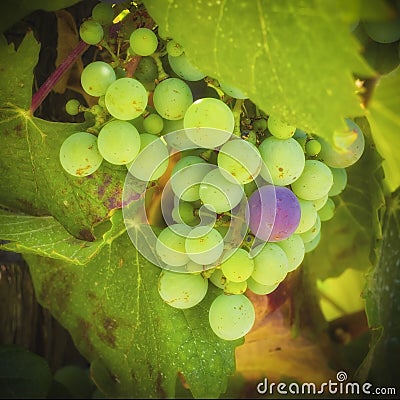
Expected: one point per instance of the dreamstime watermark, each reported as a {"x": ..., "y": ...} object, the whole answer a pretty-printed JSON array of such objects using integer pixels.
[{"x": 331, "y": 387}]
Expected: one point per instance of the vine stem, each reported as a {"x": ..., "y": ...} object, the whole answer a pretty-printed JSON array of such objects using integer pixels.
[{"x": 52, "y": 80}]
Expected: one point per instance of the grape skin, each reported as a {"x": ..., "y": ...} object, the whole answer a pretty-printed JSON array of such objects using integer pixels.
[{"x": 96, "y": 77}]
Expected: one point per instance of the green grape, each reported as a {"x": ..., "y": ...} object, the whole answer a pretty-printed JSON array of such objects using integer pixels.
[
  {"x": 186, "y": 176},
  {"x": 143, "y": 41},
  {"x": 319, "y": 203},
  {"x": 118, "y": 142},
  {"x": 194, "y": 268},
  {"x": 387, "y": 31},
  {"x": 91, "y": 32},
  {"x": 239, "y": 161},
  {"x": 235, "y": 287},
  {"x": 103, "y": 13},
  {"x": 327, "y": 211},
  {"x": 184, "y": 68},
  {"x": 170, "y": 245},
  {"x": 231, "y": 316},
  {"x": 313, "y": 147},
  {"x": 293, "y": 246},
  {"x": 280, "y": 129},
  {"x": 312, "y": 232},
  {"x": 312, "y": 244},
  {"x": 315, "y": 181},
  {"x": 260, "y": 289},
  {"x": 209, "y": 113},
  {"x": 146, "y": 71},
  {"x": 102, "y": 101},
  {"x": 153, "y": 124},
  {"x": 301, "y": 138},
  {"x": 232, "y": 91},
  {"x": 339, "y": 181},
  {"x": 260, "y": 124},
  {"x": 97, "y": 77},
  {"x": 72, "y": 107},
  {"x": 181, "y": 290},
  {"x": 172, "y": 126},
  {"x": 152, "y": 160},
  {"x": 174, "y": 49},
  {"x": 308, "y": 216},
  {"x": 184, "y": 213},
  {"x": 204, "y": 245},
  {"x": 120, "y": 73},
  {"x": 283, "y": 160},
  {"x": 79, "y": 155},
  {"x": 218, "y": 194},
  {"x": 138, "y": 123},
  {"x": 217, "y": 278},
  {"x": 126, "y": 98},
  {"x": 171, "y": 98},
  {"x": 270, "y": 264},
  {"x": 237, "y": 266},
  {"x": 249, "y": 188}
]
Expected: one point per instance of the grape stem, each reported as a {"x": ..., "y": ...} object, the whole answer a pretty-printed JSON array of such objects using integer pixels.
[
  {"x": 161, "y": 73},
  {"x": 237, "y": 110},
  {"x": 53, "y": 79}
]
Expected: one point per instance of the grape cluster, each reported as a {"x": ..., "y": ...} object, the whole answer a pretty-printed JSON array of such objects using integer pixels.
[{"x": 246, "y": 193}]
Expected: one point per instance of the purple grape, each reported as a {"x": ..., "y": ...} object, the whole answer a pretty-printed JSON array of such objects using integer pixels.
[{"x": 274, "y": 213}]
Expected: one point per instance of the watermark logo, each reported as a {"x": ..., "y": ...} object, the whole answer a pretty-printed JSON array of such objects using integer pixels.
[{"x": 340, "y": 386}]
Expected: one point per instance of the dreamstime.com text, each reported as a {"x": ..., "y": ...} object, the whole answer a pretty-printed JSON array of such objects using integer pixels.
[{"x": 338, "y": 387}]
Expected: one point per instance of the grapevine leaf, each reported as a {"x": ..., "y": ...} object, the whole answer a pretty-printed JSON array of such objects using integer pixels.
[
  {"x": 137, "y": 344},
  {"x": 45, "y": 236},
  {"x": 12, "y": 11},
  {"x": 382, "y": 294},
  {"x": 33, "y": 180},
  {"x": 347, "y": 238},
  {"x": 250, "y": 45},
  {"x": 23, "y": 374},
  {"x": 384, "y": 117}
]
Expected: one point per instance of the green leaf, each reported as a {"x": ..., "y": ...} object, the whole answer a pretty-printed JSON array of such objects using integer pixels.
[
  {"x": 293, "y": 60},
  {"x": 382, "y": 295},
  {"x": 32, "y": 178},
  {"x": 384, "y": 117},
  {"x": 347, "y": 238},
  {"x": 23, "y": 374},
  {"x": 12, "y": 11},
  {"x": 137, "y": 343},
  {"x": 45, "y": 236}
]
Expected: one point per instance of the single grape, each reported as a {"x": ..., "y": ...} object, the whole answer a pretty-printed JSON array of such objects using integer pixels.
[
  {"x": 126, "y": 98},
  {"x": 260, "y": 289},
  {"x": 260, "y": 124},
  {"x": 209, "y": 113},
  {"x": 301, "y": 138},
  {"x": 239, "y": 161},
  {"x": 343, "y": 154},
  {"x": 72, "y": 107},
  {"x": 387, "y": 31},
  {"x": 143, "y": 41},
  {"x": 274, "y": 213},
  {"x": 312, "y": 232},
  {"x": 204, "y": 245},
  {"x": 152, "y": 160},
  {"x": 235, "y": 287},
  {"x": 339, "y": 181},
  {"x": 237, "y": 266},
  {"x": 186, "y": 177},
  {"x": 327, "y": 211},
  {"x": 153, "y": 124},
  {"x": 79, "y": 155},
  {"x": 217, "y": 278},
  {"x": 313, "y": 147},
  {"x": 118, "y": 142},
  {"x": 231, "y": 316},
  {"x": 283, "y": 160},
  {"x": 174, "y": 49},
  {"x": 172, "y": 97},
  {"x": 308, "y": 216},
  {"x": 218, "y": 194},
  {"x": 182, "y": 290},
  {"x": 319, "y": 203},
  {"x": 184, "y": 213},
  {"x": 173, "y": 126},
  {"x": 170, "y": 245},
  {"x": 91, "y": 32},
  {"x": 103, "y": 13},
  {"x": 280, "y": 129},
  {"x": 315, "y": 181},
  {"x": 97, "y": 77},
  {"x": 232, "y": 91},
  {"x": 184, "y": 68},
  {"x": 146, "y": 71},
  {"x": 293, "y": 246},
  {"x": 270, "y": 264},
  {"x": 312, "y": 244}
]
